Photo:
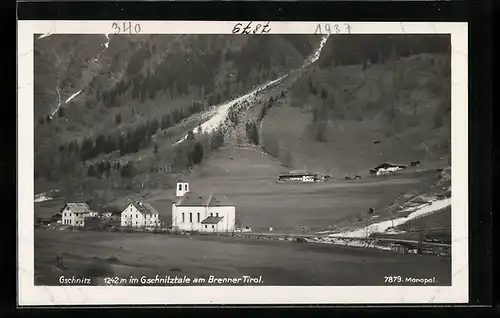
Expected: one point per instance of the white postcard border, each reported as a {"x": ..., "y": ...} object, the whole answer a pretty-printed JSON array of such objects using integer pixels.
[{"x": 29, "y": 294}]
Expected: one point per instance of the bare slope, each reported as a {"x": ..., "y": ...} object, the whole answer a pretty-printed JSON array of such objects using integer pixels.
[
  {"x": 135, "y": 93},
  {"x": 340, "y": 120}
]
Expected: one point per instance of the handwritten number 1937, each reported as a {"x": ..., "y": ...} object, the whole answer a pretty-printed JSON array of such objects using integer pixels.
[
  {"x": 250, "y": 28},
  {"x": 126, "y": 27},
  {"x": 333, "y": 28}
]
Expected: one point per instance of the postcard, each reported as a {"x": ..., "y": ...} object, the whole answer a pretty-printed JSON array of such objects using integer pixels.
[{"x": 242, "y": 162}]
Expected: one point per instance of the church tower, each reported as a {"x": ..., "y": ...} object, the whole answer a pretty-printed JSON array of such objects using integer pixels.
[{"x": 182, "y": 188}]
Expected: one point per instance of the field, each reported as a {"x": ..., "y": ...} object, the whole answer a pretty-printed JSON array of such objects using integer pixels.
[
  {"x": 247, "y": 178},
  {"x": 435, "y": 226},
  {"x": 99, "y": 254},
  {"x": 249, "y": 182}
]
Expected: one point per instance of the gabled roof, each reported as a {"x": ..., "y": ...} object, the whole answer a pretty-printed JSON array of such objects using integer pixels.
[
  {"x": 144, "y": 208},
  {"x": 78, "y": 207},
  {"x": 219, "y": 200},
  {"x": 191, "y": 198},
  {"x": 386, "y": 165},
  {"x": 212, "y": 220},
  {"x": 202, "y": 199}
]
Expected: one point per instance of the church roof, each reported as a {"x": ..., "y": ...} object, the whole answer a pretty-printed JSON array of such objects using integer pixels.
[
  {"x": 191, "y": 198},
  {"x": 212, "y": 220}
]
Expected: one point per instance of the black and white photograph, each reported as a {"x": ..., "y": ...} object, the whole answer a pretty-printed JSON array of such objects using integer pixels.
[{"x": 300, "y": 155}]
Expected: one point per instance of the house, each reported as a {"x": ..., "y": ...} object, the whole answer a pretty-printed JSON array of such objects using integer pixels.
[
  {"x": 114, "y": 215},
  {"x": 140, "y": 214},
  {"x": 386, "y": 168},
  {"x": 75, "y": 213},
  {"x": 301, "y": 177},
  {"x": 53, "y": 219},
  {"x": 202, "y": 212},
  {"x": 415, "y": 163}
]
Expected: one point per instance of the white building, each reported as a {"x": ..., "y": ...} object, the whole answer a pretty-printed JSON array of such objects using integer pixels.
[
  {"x": 139, "y": 214},
  {"x": 202, "y": 212},
  {"x": 182, "y": 187},
  {"x": 75, "y": 213}
]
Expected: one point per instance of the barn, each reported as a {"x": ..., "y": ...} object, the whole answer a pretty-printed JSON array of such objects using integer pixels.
[
  {"x": 386, "y": 168},
  {"x": 202, "y": 212}
]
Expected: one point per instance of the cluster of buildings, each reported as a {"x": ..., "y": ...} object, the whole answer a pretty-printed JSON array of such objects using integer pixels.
[
  {"x": 383, "y": 169},
  {"x": 299, "y": 177},
  {"x": 190, "y": 212}
]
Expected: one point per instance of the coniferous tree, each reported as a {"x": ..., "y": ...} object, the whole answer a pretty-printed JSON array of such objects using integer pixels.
[
  {"x": 216, "y": 140},
  {"x": 197, "y": 153},
  {"x": 118, "y": 119}
]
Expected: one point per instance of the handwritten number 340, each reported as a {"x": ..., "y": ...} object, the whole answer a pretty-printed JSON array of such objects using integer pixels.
[{"x": 126, "y": 28}]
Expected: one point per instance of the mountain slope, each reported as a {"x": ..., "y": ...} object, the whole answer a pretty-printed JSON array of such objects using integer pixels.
[
  {"x": 133, "y": 95},
  {"x": 345, "y": 119}
]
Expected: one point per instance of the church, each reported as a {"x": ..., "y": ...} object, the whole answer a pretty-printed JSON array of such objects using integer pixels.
[{"x": 203, "y": 212}]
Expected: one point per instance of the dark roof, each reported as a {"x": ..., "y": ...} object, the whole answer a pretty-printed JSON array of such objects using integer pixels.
[
  {"x": 212, "y": 220},
  {"x": 78, "y": 207},
  {"x": 295, "y": 175},
  {"x": 219, "y": 200},
  {"x": 191, "y": 198},
  {"x": 386, "y": 165},
  {"x": 201, "y": 199},
  {"x": 144, "y": 208}
]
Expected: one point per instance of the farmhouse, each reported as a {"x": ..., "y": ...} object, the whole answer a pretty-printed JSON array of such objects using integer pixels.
[
  {"x": 301, "y": 177},
  {"x": 202, "y": 212},
  {"x": 140, "y": 214},
  {"x": 386, "y": 168},
  {"x": 75, "y": 213}
]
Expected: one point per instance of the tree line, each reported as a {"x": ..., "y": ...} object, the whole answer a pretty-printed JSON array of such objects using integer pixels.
[{"x": 357, "y": 49}]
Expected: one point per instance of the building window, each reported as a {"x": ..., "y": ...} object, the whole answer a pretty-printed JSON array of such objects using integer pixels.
[
  {"x": 136, "y": 222},
  {"x": 205, "y": 226},
  {"x": 213, "y": 226},
  {"x": 217, "y": 214},
  {"x": 182, "y": 217},
  {"x": 136, "y": 216},
  {"x": 190, "y": 217},
  {"x": 185, "y": 187},
  {"x": 180, "y": 187},
  {"x": 198, "y": 217},
  {"x": 211, "y": 214}
]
